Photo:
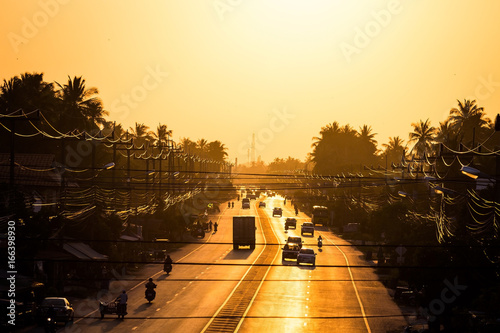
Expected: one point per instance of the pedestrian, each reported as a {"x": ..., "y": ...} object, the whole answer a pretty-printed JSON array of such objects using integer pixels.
[
  {"x": 210, "y": 225},
  {"x": 122, "y": 305},
  {"x": 232, "y": 204},
  {"x": 215, "y": 226}
]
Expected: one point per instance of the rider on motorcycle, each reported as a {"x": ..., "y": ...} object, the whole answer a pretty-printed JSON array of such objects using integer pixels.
[
  {"x": 320, "y": 241},
  {"x": 150, "y": 286},
  {"x": 167, "y": 265}
]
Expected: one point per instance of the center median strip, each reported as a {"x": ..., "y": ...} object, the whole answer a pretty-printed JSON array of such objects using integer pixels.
[{"x": 229, "y": 316}]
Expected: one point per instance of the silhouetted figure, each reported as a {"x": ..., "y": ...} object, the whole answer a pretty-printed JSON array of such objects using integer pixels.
[
  {"x": 215, "y": 226},
  {"x": 167, "y": 265},
  {"x": 122, "y": 304}
]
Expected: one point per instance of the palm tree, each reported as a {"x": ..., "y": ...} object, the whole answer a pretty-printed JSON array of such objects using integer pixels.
[
  {"x": 201, "y": 144},
  {"x": 161, "y": 135},
  {"x": 366, "y": 135},
  {"x": 423, "y": 136},
  {"x": 328, "y": 130},
  {"x": 446, "y": 134},
  {"x": 469, "y": 121},
  {"x": 188, "y": 146},
  {"x": 140, "y": 133},
  {"x": 81, "y": 106},
  {"x": 217, "y": 151},
  {"x": 394, "y": 150}
]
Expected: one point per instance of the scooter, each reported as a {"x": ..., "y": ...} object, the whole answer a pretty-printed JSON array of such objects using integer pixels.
[
  {"x": 150, "y": 295},
  {"x": 320, "y": 243},
  {"x": 167, "y": 268}
]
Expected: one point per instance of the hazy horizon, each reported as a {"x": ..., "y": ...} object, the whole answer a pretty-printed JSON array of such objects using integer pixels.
[{"x": 281, "y": 69}]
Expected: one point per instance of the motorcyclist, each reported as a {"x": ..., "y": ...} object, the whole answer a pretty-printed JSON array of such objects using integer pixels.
[
  {"x": 167, "y": 265},
  {"x": 150, "y": 287},
  {"x": 296, "y": 210},
  {"x": 320, "y": 241},
  {"x": 232, "y": 204},
  {"x": 50, "y": 320},
  {"x": 229, "y": 205}
]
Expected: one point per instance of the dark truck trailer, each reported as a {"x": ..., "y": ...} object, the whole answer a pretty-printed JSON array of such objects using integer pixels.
[{"x": 243, "y": 231}]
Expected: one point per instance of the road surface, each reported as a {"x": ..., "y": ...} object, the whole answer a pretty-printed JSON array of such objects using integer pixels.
[{"x": 214, "y": 288}]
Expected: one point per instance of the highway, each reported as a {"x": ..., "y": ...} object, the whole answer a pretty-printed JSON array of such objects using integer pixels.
[{"x": 214, "y": 288}]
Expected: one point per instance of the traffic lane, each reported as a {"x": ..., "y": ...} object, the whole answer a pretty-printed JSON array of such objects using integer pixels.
[
  {"x": 373, "y": 296},
  {"x": 297, "y": 298},
  {"x": 182, "y": 289},
  {"x": 382, "y": 312}
]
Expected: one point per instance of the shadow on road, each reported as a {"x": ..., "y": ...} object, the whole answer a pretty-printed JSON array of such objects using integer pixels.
[
  {"x": 238, "y": 254},
  {"x": 142, "y": 307}
]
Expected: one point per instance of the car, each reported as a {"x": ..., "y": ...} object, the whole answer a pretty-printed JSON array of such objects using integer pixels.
[
  {"x": 262, "y": 204},
  {"x": 290, "y": 251},
  {"x": 63, "y": 309},
  {"x": 295, "y": 240},
  {"x": 245, "y": 203},
  {"x": 277, "y": 211},
  {"x": 291, "y": 222},
  {"x": 306, "y": 255},
  {"x": 307, "y": 228}
]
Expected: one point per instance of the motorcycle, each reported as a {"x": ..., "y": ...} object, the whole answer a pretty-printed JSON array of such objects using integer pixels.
[
  {"x": 320, "y": 243},
  {"x": 50, "y": 325},
  {"x": 113, "y": 307},
  {"x": 150, "y": 295},
  {"x": 167, "y": 268}
]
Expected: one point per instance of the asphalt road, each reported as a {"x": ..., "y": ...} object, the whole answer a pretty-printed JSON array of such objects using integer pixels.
[{"x": 214, "y": 288}]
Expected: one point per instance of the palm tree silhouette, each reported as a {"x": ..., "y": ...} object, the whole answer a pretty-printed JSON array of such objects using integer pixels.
[
  {"x": 82, "y": 109},
  {"x": 423, "y": 135}
]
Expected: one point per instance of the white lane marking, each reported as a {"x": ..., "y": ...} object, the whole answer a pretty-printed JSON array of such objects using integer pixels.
[
  {"x": 261, "y": 282},
  {"x": 355, "y": 288}
]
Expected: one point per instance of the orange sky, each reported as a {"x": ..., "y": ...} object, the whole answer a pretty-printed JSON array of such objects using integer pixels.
[{"x": 282, "y": 69}]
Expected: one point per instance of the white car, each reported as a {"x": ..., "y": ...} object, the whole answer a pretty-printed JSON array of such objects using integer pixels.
[{"x": 306, "y": 255}]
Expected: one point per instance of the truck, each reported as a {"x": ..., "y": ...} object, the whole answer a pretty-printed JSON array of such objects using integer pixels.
[{"x": 243, "y": 231}]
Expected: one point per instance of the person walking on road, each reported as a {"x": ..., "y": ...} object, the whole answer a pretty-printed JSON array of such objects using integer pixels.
[
  {"x": 122, "y": 305},
  {"x": 215, "y": 227},
  {"x": 210, "y": 225}
]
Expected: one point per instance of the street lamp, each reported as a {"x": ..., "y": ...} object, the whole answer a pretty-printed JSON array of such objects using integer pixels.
[
  {"x": 108, "y": 166},
  {"x": 470, "y": 172}
]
